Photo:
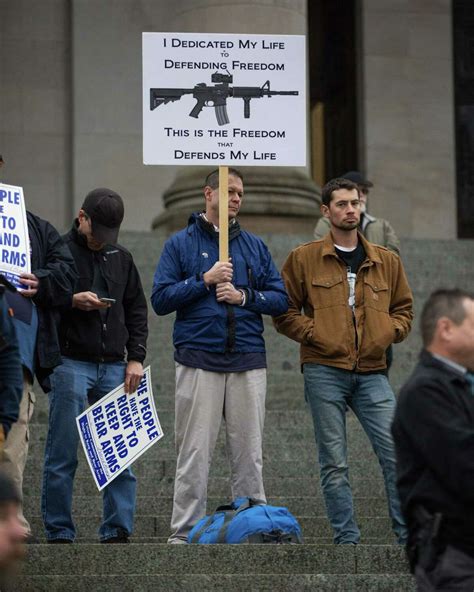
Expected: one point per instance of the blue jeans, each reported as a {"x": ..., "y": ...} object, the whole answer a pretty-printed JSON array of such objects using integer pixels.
[
  {"x": 329, "y": 391},
  {"x": 74, "y": 385}
]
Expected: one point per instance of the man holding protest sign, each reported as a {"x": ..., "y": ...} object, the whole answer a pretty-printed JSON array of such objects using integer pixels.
[
  {"x": 219, "y": 349},
  {"x": 105, "y": 322},
  {"x": 35, "y": 308}
]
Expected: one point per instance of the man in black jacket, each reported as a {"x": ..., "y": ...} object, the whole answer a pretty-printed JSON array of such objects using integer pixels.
[
  {"x": 433, "y": 431},
  {"x": 96, "y": 336}
]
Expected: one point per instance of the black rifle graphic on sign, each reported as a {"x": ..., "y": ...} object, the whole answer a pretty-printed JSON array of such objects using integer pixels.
[{"x": 215, "y": 96}]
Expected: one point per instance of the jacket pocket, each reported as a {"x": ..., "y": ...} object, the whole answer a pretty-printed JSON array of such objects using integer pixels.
[
  {"x": 376, "y": 294},
  {"x": 378, "y": 334},
  {"x": 331, "y": 336},
  {"x": 328, "y": 291}
]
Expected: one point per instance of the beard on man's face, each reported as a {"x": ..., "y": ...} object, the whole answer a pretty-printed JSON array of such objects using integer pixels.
[{"x": 346, "y": 225}]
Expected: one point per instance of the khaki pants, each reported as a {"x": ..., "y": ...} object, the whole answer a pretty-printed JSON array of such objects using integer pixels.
[
  {"x": 203, "y": 399},
  {"x": 15, "y": 451}
]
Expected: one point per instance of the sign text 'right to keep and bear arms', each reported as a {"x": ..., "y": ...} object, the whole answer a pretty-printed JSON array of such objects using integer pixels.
[{"x": 118, "y": 429}]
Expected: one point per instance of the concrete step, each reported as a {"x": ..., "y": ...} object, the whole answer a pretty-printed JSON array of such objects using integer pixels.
[
  {"x": 162, "y": 560},
  {"x": 385, "y": 539},
  {"x": 277, "y": 444},
  {"x": 274, "y": 432},
  {"x": 362, "y": 486},
  {"x": 146, "y": 468},
  {"x": 290, "y": 471},
  {"x": 210, "y": 583},
  {"x": 298, "y": 505},
  {"x": 285, "y": 386},
  {"x": 278, "y": 419},
  {"x": 359, "y": 454},
  {"x": 158, "y": 525}
]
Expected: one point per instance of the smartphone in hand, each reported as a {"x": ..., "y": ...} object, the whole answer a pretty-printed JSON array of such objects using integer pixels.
[{"x": 108, "y": 300}]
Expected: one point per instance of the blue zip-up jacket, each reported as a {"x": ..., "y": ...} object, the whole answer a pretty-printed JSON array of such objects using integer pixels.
[{"x": 202, "y": 323}]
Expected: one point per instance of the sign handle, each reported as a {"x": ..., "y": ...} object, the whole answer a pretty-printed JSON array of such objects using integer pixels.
[{"x": 224, "y": 213}]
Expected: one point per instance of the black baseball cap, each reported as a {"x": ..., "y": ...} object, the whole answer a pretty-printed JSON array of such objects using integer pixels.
[
  {"x": 105, "y": 209},
  {"x": 357, "y": 178}
]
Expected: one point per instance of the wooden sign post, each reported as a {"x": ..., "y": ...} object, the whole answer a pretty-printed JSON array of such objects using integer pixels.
[{"x": 224, "y": 213}]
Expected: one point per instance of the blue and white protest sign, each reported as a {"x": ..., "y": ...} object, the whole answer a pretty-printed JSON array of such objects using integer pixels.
[
  {"x": 14, "y": 241},
  {"x": 118, "y": 429}
]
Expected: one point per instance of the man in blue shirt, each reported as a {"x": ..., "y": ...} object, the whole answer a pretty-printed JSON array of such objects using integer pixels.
[{"x": 219, "y": 349}]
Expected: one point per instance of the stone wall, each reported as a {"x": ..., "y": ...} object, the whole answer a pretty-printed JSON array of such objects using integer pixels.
[
  {"x": 407, "y": 117},
  {"x": 107, "y": 106},
  {"x": 35, "y": 103},
  {"x": 70, "y": 101}
]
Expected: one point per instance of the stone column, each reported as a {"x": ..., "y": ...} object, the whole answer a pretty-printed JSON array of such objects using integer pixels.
[
  {"x": 35, "y": 96},
  {"x": 280, "y": 199},
  {"x": 407, "y": 118}
]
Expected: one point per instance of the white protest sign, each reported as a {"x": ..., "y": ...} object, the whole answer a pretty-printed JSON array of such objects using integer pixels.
[
  {"x": 14, "y": 241},
  {"x": 118, "y": 429},
  {"x": 224, "y": 99}
]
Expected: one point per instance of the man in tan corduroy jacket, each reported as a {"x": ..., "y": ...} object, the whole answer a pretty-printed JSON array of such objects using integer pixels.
[{"x": 349, "y": 300}]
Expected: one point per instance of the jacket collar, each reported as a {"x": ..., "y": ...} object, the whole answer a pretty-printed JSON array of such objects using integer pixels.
[
  {"x": 366, "y": 220},
  {"x": 429, "y": 360},
  {"x": 79, "y": 238},
  {"x": 197, "y": 220},
  {"x": 369, "y": 248}
]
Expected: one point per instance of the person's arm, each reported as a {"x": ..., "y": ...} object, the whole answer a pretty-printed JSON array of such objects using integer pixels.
[
  {"x": 270, "y": 296},
  {"x": 390, "y": 238},
  {"x": 11, "y": 377},
  {"x": 401, "y": 305},
  {"x": 53, "y": 284},
  {"x": 136, "y": 320},
  {"x": 322, "y": 227},
  {"x": 171, "y": 291},
  {"x": 441, "y": 432},
  {"x": 293, "y": 323},
  {"x": 136, "y": 315}
]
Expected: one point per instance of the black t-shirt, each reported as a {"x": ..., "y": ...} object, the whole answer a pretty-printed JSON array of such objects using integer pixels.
[{"x": 353, "y": 259}]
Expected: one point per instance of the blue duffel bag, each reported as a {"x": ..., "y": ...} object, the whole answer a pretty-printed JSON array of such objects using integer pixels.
[{"x": 247, "y": 520}]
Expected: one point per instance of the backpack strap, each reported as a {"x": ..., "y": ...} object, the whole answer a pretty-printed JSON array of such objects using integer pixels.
[
  {"x": 229, "y": 515},
  {"x": 197, "y": 534},
  {"x": 250, "y": 503},
  {"x": 225, "y": 508},
  {"x": 225, "y": 525}
]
